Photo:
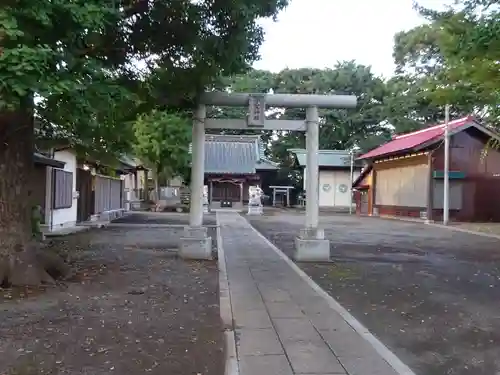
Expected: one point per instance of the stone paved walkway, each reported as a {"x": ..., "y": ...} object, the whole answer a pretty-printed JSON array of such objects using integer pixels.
[{"x": 283, "y": 326}]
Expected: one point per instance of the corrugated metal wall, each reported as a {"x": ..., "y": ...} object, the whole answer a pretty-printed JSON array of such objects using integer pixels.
[{"x": 108, "y": 194}]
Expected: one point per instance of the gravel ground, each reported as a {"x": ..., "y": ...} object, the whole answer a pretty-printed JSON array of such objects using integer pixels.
[
  {"x": 133, "y": 308},
  {"x": 430, "y": 294}
]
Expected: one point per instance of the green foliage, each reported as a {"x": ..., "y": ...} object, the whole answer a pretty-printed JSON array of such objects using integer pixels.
[
  {"x": 47, "y": 48},
  {"x": 340, "y": 129},
  {"x": 162, "y": 140},
  {"x": 455, "y": 57},
  {"x": 346, "y": 128},
  {"x": 79, "y": 59}
]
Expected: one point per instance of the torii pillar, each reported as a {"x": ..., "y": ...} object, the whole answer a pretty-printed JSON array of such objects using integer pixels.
[{"x": 311, "y": 244}]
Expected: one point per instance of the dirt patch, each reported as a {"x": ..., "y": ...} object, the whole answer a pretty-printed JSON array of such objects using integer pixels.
[
  {"x": 133, "y": 308},
  {"x": 429, "y": 294}
]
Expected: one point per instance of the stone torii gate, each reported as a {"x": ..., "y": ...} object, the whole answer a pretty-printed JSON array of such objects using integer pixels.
[{"x": 311, "y": 244}]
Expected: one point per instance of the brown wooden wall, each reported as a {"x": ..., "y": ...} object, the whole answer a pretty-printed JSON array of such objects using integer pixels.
[{"x": 482, "y": 183}]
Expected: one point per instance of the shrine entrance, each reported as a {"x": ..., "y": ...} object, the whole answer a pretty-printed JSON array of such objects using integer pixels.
[
  {"x": 310, "y": 244},
  {"x": 223, "y": 189},
  {"x": 227, "y": 191}
]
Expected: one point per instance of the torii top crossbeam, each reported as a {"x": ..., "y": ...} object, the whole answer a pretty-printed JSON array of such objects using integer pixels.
[{"x": 280, "y": 100}]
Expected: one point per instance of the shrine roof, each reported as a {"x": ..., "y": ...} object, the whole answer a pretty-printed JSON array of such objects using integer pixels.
[
  {"x": 235, "y": 154},
  {"x": 420, "y": 139}
]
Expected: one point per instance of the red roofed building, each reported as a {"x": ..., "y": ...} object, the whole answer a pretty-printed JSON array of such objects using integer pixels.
[{"x": 404, "y": 176}]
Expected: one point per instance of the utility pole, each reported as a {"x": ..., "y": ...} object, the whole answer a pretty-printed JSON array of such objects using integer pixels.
[
  {"x": 352, "y": 181},
  {"x": 446, "y": 179}
]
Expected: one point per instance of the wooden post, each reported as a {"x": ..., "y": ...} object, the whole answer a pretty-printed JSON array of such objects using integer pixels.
[
  {"x": 430, "y": 188},
  {"x": 373, "y": 191}
]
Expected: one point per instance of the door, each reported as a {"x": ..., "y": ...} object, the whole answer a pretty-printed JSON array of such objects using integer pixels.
[
  {"x": 84, "y": 187},
  {"x": 226, "y": 191},
  {"x": 363, "y": 201}
]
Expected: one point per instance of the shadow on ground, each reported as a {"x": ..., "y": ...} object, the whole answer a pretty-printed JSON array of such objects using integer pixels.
[
  {"x": 133, "y": 308},
  {"x": 430, "y": 294},
  {"x": 171, "y": 218}
]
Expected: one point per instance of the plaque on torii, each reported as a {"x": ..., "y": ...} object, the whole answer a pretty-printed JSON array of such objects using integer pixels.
[{"x": 256, "y": 110}]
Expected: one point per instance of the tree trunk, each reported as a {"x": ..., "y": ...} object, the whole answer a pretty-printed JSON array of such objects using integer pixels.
[
  {"x": 20, "y": 261},
  {"x": 157, "y": 185}
]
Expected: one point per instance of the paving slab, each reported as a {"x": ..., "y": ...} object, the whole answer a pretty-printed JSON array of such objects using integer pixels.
[
  {"x": 287, "y": 309},
  {"x": 283, "y": 324},
  {"x": 297, "y": 330},
  {"x": 252, "y": 319},
  {"x": 267, "y": 364},
  {"x": 257, "y": 342},
  {"x": 312, "y": 358}
]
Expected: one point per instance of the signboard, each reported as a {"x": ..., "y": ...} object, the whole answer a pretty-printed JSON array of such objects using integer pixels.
[
  {"x": 345, "y": 160},
  {"x": 256, "y": 110}
]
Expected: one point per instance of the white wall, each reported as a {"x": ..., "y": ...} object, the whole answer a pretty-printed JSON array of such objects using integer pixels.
[
  {"x": 330, "y": 183},
  {"x": 129, "y": 181},
  {"x": 64, "y": 217}
]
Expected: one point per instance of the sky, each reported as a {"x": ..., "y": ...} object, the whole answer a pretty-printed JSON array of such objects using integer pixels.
[{"x": 318, "y": 33}]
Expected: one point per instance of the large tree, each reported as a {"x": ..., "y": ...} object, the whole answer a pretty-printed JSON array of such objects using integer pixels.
[
  {"x": 47, "y": 52},
  {"x": 162, "y": 142},
  {"x": 455, "y": 56},
  {"x": 74, "y": 64},
  {"x": 339, "y": 128}
]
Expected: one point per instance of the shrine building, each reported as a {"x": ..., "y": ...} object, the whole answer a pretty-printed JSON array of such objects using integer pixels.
[{"x": 233, "y": 163}]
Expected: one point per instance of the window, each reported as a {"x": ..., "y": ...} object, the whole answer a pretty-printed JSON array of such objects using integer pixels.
[{"x": 62, "y": 189}]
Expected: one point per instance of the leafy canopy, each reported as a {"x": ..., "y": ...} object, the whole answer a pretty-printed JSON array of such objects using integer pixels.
[
  {"x": 96, "y": 65},
  {"x": 456, "y": 56},
  {"x": 162, "y": 140}
]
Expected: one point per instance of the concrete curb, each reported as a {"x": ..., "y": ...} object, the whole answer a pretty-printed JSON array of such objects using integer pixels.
[
  {"x": 482, "y": 234},
  {"x": 441, "y": 226},
  {"x": 69, "y": 232},
  {"x": 380, "y": 348},
  {"x": 226, "y": 312},
  {"x": 142, "y": 225}
]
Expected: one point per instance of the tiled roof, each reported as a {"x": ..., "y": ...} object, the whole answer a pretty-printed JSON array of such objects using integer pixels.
[
  {"x": 412, "y": 141},
  {"x": 129, "y": 162},
  {"x": 327, "y": 158},
  {"x": 367, "y": 169},
  {"x": 235, "y": 154},
  {"x": 41, "y": 159}
]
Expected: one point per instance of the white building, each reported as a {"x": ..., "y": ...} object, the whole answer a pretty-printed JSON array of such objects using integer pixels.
[
  {"x": 334, "y": 177},
  {"x": 70, "y": 191}
]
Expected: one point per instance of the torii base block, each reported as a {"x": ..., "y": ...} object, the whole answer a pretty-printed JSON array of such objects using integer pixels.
[
  {"x": 195, "y": 244},
  {"x": 311, "y": 246}
]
